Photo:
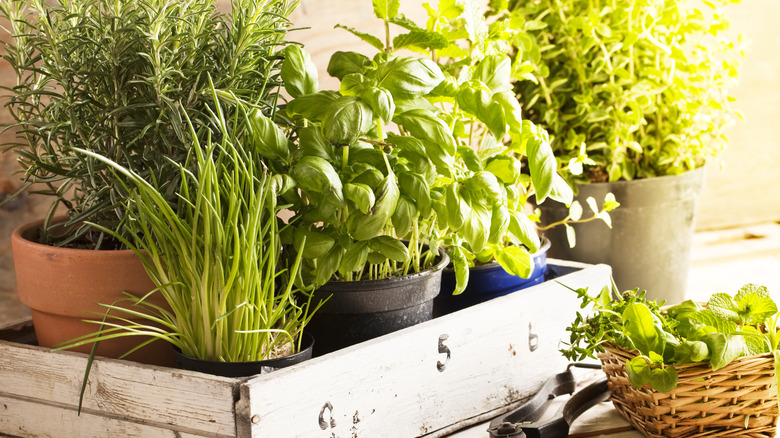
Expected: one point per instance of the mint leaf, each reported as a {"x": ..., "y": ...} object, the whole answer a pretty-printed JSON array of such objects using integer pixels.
[
  {"x": 420, "y": 39},
  {"x": 754, "y": 304},
  {"x": 752, "y": 289},
  {"x": 724, "y": 307},
  {"x": 709, "y": 318},
  {"x": 386, "y": 9},
  {"x": 370, "y": 39}
]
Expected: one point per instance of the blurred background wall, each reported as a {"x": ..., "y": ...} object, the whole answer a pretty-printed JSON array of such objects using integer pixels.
[{"x": 741, "y": 189}]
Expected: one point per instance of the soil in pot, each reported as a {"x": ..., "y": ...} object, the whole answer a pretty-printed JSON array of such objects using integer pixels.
[
  {"x": 245, "y": 369},
  {"x": 357, "y": 311},
  {"x": 487, "y": 281},
  {"x": 63, "y": 286}
]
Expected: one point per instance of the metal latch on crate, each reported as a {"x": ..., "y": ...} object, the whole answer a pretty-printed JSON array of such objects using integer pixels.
[{"x": 524, "y": 422}]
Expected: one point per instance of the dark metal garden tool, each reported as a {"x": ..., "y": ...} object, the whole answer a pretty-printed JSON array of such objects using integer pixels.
[{"x": 524, "y": 421}]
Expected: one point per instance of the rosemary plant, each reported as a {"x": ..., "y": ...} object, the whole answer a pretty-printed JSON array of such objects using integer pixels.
[
  {"x": 116, "y": 78},
  {"x": 215, "y": 257}
]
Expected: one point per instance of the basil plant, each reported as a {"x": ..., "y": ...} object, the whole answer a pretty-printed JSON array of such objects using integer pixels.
[{"x": 412, "y": 152}]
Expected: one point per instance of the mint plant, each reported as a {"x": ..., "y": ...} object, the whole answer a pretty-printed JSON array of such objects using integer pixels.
[{"x": 726, "y": 328}]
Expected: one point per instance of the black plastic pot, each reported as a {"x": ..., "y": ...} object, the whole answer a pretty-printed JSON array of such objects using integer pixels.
[
  {"x": 487, "y": 281},
  {"x": 245, "y": 369},
  {"x": 650, "y": 240},
  {"x": 361, "y": 310}
]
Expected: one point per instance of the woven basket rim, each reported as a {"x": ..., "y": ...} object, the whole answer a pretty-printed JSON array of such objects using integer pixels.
[
  {"x": 704, "y": 403},
  {"x": 621, "y": 351}
]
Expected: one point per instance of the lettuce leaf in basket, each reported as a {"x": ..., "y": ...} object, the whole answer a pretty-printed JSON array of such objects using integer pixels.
[{"x": 726, "y": 328}]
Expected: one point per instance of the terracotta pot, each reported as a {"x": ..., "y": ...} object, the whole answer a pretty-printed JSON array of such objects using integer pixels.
[{"x": 63, "y": 286}]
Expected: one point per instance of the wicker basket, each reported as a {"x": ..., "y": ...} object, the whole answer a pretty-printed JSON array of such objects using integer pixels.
[{"x": 738, "y": 400}]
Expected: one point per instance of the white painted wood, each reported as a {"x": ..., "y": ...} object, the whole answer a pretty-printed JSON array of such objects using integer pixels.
[
  {"x": 31, "y": 419},
  {"x": 391, "y": 386},
  {"x": 156, "y": 396}
]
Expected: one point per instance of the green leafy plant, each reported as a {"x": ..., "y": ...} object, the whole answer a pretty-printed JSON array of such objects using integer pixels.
[
  {"x": 627, "y": 89},
  {"x": 215, "y": 256},
  {"x": 726, "y": 328},
  {"x": 120, "y": 79},
  {"x": 440, "y": 174}
]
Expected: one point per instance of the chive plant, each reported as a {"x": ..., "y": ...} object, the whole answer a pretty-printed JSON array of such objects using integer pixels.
[
  {"x": 116, "y": 77},
  {"x": 216, "y": 256}
]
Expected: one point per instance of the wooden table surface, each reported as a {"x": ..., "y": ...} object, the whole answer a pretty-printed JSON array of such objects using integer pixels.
[{"x": 600, "y": 421}]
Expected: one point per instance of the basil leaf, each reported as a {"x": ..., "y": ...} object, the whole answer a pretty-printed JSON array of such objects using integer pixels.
[
  {"x": 512, "y": 110},
  {"x": 499, "y": 223},
  {"x": 476, "y": 227},
  {"x": 487, "y": 182},
  {"x": 354, "y": 258},
  {"x": 541, "y": 162},
  {"x": 316, "y": 175},
  {"x": 367, "y": 226},
  {"x": 361, "y": 195},
  {"x": 381, "y": 102},
  {"x": 317, "y": 243},
  {"x": 426, "y": 126},
  {"x": 457, "y": 209},
  {"x": 524, "y": 230},
  {"x": 298, "y": 72},
  {"x": 507, "y": 169},
  {"x": 460, "y": 266},
  {"x": 495, "y": 72},
  {"x": 346, "y": 120},
  {"x": 327, "y": 265},
  {"x": 403, "y": 217},
  {"x": 474, "y": 98},
  {"x": 343, "y": 63},
  {"x": 415, "y": 187},
  {"x": 354, "y": 84},
  {"x": 408, "y": 77},
  {"x": 269, "y": 140},
  {"x": 390, "y": 247},
  {"x": 312, "y": 142},
  {"x": 515, "y": 260},
  {"x": 312, "y": 107}
]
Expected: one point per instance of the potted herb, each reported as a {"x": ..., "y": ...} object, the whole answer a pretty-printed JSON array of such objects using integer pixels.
[
  {"x": 368, "y": 248},
  {"x": 216, "y": 258},
  {"x": 635, "y": 96},
  {"x": 688, "y": 368},
  {"x": 496, "y": 160},
  {"x": 116, "y": 79}
]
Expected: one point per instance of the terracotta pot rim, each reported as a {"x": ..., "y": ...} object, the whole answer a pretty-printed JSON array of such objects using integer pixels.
[{"x": 20, "y": 235}]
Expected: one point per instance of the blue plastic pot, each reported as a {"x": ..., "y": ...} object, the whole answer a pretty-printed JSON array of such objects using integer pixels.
[{"x": 486, "y": 282}]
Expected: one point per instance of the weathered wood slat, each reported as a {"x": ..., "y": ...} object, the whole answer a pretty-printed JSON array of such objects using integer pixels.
[
  {"x": 425, "y": 380},
  {"x": 173, "y": 399},
  {"x": 22, "y": 418}
]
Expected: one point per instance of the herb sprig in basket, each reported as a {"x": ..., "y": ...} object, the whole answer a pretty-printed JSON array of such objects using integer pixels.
[{"x": 726, "y": 328}]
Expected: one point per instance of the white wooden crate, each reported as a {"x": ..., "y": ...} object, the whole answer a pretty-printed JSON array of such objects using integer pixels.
[{"x": 427, "y": 380}]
